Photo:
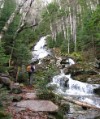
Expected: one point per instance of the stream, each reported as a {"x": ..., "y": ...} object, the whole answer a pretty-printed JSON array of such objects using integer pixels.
[{"x": 66, "y": 86}]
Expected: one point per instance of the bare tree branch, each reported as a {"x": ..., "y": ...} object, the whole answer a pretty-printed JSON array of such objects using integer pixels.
[
  {"x": 10, "y": 20},
  {"x": 21, "y": 27}
]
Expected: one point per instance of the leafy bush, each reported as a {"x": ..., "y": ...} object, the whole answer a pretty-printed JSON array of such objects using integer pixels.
[
  {"x": 77, "y": 56},
  {"x": 41, "y": 81},
  {"x": 3, "y": 58},
  {"x": 4, "y": 98}
]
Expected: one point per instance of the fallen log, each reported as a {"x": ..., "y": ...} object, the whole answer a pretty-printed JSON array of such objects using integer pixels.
[{"x": 80, "y": 103}]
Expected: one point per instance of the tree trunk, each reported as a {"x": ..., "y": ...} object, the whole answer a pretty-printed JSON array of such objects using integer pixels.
[
  {"x": 18, "y": 70},
  {"x": 80, "y": 103},
  {"x": 83, "y": 104},
  {"x": 22, "y": 25}
]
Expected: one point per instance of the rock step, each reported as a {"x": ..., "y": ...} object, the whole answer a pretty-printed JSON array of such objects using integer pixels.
[
  {"x": 29, "y": 96},
  {"x": 38, "y": 105}
]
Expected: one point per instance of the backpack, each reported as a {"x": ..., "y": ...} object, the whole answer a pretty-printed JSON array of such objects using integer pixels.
[{"x": 29, "y": 68}]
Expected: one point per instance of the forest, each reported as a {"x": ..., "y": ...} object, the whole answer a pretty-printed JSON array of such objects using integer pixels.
[{"x": 72, "y": 28}]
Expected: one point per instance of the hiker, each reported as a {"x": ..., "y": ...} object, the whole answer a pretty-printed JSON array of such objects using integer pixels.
[{"x": 30, "y": 70}]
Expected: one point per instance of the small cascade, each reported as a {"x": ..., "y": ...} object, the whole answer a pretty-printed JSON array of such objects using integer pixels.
[
  {"x": 72, "y": 87},
  {"x": 81, "y": 91},
  {"x": 40, "y": 50}
]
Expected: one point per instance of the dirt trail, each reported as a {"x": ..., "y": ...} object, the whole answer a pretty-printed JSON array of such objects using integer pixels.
[{"x": 23, "y": 113}]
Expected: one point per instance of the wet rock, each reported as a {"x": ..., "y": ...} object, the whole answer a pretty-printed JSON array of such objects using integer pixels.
[
  {"x": 65, "y": 70},
  {"x": 58, "y": 64},
  {"x": 63, "y": 61},
  {"x": 75, "y": 70},
  {"x": 97, "y": 63},
  {"x": 89, "y": 80},
  {"x": 33, "y": 105},
  {"x": 97, "y": 91},
  {"x": 34, "y": 61},
  {"x": 64, "y": 82}
]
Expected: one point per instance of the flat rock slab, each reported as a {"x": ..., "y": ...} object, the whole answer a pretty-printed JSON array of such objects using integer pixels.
[
  {"x": 30, "y": 96},
  {"x": 38, "y": 106}
]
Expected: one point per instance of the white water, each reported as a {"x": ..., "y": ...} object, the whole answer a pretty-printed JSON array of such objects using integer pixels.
[
  {"x": 71, "y": 62},
  {"x": 83, "y": 91},
  {"x": 73, "y": 87},
  {"x": 40, "y": 51}
]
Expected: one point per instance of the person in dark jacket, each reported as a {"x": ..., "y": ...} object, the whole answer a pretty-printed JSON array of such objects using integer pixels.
[{"x": 30, "y": 70}]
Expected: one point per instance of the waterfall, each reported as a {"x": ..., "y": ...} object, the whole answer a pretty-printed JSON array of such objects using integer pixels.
[
  {"x": 40, "y": 50},
  {"x": 67, "y": 86}
]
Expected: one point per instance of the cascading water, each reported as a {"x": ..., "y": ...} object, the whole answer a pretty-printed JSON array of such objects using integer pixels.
[
  {"x": 40, "y": 51},
  {"x": 67, "y": 86},
  {"x": 72, "y": 87}
]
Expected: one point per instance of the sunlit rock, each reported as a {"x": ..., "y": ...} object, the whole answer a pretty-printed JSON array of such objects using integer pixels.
[{"x": 43, "y": 106}]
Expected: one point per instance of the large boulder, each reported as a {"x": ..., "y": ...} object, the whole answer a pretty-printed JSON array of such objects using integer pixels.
[
  {"x": 64, "y": 82},
  {"x": 78, "y": 69},
  {"x": 4, "y": 79}
]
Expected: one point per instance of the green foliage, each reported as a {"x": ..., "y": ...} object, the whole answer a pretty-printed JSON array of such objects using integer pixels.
[
  {"x": 43, "y": 92},
  {"x": 58, "y": 43},
  {"x": 23, "y": 77},
  {"x": 63, "y": 109},
  {"x": 50, "y": 42},
  {"x": 49, "y": 13},
  {"x": 4, "y": 115},
  {"x": 4, "y": 98},
  {"x": 64, "y": 47},
  {"x": 4, "y": 94},
  {"x": 89, "y": 35},
  {"x": 42, "y": 79},
  {"x": 77, "y": 56},
  {"x": 7, "y": 41},
  {"x": 3, "y": 58},
  {"x": 22, "y": 54},
  {"x": 9, "y": 6}
]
